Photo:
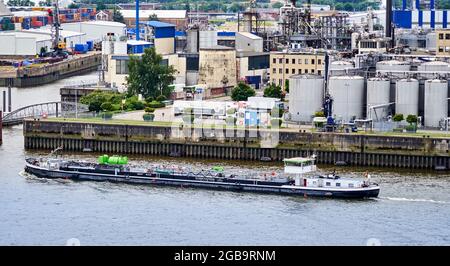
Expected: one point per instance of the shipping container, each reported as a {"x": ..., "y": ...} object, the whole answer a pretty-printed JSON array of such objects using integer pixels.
[{"x": 81, "y": 48}]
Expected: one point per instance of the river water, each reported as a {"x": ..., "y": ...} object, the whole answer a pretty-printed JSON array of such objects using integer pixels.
[{"x": 413, "y": 209}]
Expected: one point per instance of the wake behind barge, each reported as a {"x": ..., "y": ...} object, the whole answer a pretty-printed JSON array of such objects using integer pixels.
[{"x": 116, "y": 169}]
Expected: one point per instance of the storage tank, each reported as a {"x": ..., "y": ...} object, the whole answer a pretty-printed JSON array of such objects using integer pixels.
[
  {"x": 433, "y": 67},
  {"x": 393, "y": 65},
  {"x": 436, "y": 102},
  {"x": 305, "y": 96},
  {"x": 341, "y": 68},
  {"x": 407, "y": 97},
  {"x": 348, "y": 96},
  {"x": 378, "y": 91},
  {"x": 341, "y": 65}
]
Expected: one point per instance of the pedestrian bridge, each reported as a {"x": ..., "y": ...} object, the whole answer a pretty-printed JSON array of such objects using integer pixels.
[{"x": 43, "y": 110}]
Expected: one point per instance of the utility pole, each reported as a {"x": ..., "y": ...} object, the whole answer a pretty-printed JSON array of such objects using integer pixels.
[{"x": 137, "y": 20}]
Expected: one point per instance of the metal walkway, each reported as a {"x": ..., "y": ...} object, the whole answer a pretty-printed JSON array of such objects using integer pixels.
[{"x": 42, "y": 110}]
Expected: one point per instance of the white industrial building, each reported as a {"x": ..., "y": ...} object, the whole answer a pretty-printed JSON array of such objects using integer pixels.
[
  {"x": 96, "y": 30},
  {"x": 69, "y": 37},
  {"x": 23, "y": 43},
  {"x": 30, "y": 42},
  {"x": 248, "y": 42}
]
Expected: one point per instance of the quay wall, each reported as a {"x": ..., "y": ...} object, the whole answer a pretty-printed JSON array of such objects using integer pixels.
[
  {"x": 26, "y": 77},
  {"x": 250, "y": 144}
]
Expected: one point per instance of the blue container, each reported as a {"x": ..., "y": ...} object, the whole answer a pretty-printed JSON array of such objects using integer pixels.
[
  {"x": 81, "y": 48},
  {"x": 90, "y": 45}
]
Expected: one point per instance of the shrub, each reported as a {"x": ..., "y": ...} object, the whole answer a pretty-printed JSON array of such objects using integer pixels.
[
  {"x": 156, "y": 104},
  {"x": 161, "y": 98},
  {"x": 319, "y": 114},
  {"x": 411, "y": 119},
  {"x": 241, "y": 92},
  {"x": 116, "y": 107},
  {"x": 149, "y": 99},
  {"x": 411, "y": 128},
  {"x": 149, "y": 110},
  {"x": 138, "y": 105},
  {"x": 148, "y": 116},
  {"x": 107, "y": 115},
  {"x": 276, "y": 122},
  {"x": 106, "y": 106},
  {"x": 95, "y": 99},
  {"x": 398, "y": 117},
  {"x": 273, "y": 91}
]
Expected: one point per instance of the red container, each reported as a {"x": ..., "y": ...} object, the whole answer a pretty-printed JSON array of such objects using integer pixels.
[{"x": 37, "y": 23}]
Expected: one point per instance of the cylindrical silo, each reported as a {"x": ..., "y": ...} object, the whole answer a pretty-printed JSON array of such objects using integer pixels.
[
  {"x": 348, "y": 97},
  {"x": 378, "y": 91},
  {"x": 341, "y": 67},
  {"x": 407, "y": 97},
  {"x": 393, "y": 65},
  {"x": 436, "y": 102},
  {"x": 305, "y": 96},
  {"x": 431, "y": 69}
]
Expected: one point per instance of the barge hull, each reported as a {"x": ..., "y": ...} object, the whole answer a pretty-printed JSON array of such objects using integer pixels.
[{"x": 186, "y": 183}]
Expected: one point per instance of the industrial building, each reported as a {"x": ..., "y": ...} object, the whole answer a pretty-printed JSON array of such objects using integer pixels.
[
  {"x": 286, "y": 64},
  {"x": 443, "y": 42},
  {"x": 161, "y": 34},
  {"x": 217, "y": 67},
  {"x": 30, "y": 42},
  {"x": 96, "y": 30},
  {"x": 421, "y": 13},
  {"x": 253, "y": 67},
  {"x": 176, "y": 17}
]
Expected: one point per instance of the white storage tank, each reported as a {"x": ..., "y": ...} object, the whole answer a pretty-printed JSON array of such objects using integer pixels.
[
  {"x": 378, "y": 91},
  {"x": 433, "y": 67},
  {"x": 348, "y": 97},
  {"x": 393, "y": 65},
  {"x": 305, "y": 96},
  {"x": 407, "y": 97},
  {"x": 341, "y": 65},
  {"x": 436, "y": 102}
]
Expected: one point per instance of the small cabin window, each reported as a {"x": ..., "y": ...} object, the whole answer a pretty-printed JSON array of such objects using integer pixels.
[
  {"x": 350, "y": 185},
  {"x": 314, "y": 182},
  {"x": 328, "y": 184}
]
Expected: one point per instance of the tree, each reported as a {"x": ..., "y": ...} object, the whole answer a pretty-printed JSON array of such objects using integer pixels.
[
  {"x": 241, "y": 92},
  {"x": 117, "y": 16},
  {"x": 153, "y": 17},
  {"x": 411, "y": 119},
  {"x": 45, "y": 3},
  {"x": 20, "y": 3},
  {"x": 149, "y": 76},
  {"x": 277, "y": 5},
  {"x": 398, "y": 117},
  {"x": 236, "y": 7},
  {"x": 101, "y": 6},
  {"x": 73, "y": 6},
  {"x": 273, "y": 91}
]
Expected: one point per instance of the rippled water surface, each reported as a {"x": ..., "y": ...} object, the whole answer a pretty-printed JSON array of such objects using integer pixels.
[{"x": 413, "y": 209}]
